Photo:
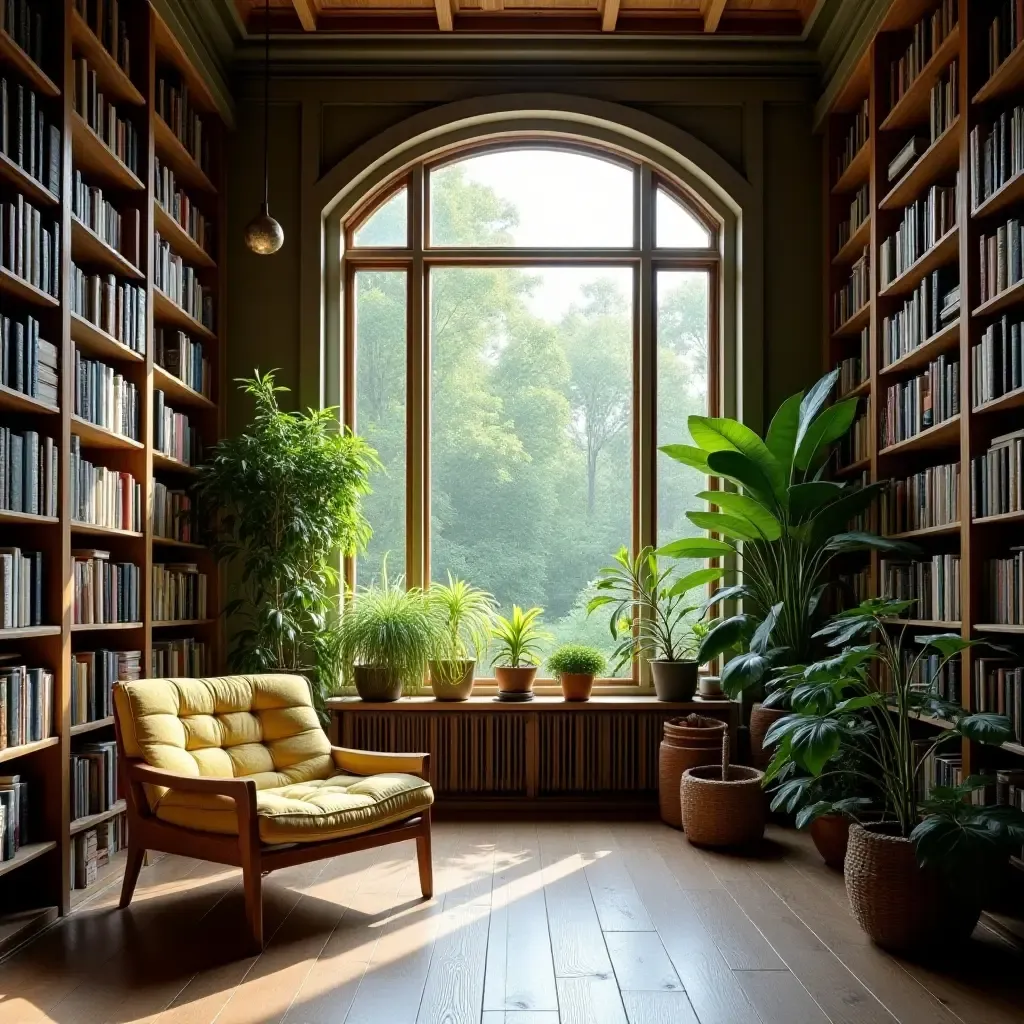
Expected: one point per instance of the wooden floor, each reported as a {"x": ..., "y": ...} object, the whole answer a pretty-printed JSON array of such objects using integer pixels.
[{"x": 531, "y": 924}]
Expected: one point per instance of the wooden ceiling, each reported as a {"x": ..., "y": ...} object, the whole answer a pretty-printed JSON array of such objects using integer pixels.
[{"x": 682, "y": 17}]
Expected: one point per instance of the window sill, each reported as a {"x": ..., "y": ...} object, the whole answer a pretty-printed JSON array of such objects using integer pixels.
[{"x": 483, "y": 699}]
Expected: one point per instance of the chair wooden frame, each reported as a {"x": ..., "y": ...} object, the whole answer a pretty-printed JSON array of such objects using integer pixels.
[{"x": 245, "y": 850}]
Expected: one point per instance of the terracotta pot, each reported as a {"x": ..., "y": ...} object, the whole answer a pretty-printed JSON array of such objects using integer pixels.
[
  {"x": 674, "y": 680},
  {"x": 831, "y": 833},
  {"x": 377, "y": 685},
  {"x": 901, "y": 906},
  {"x": 452, "y": 680},
  {"x": 761, "y": 720},
  {"x": 515, "y": 680},
  {"x": 686, "y": 744},
  {"x": 576, "y": 685},
  {"x": 722, "y": 813}
]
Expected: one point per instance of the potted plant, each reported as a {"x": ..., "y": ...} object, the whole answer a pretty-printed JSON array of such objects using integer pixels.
[
  {"x": 722, "y": 805},
  {"x": 576, "y": 665},
  {"x": 387, "y": 634},
  {"x": 518, "y": 640},
  {"x": 651, "y": 619},
  {"x": 918, "y": 875},
  {"x": 463, "y": 616}
]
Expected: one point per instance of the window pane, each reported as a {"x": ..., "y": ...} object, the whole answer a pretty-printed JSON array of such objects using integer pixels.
[
  {"x": 388, "y": 225},
  {"x": 675, "y": 227},
  {"x": 380, "y": 351},
  {"x": 532, "y": 198},
  {"x": 682, "y": 368},
  {"x": 531, "y": 439}
]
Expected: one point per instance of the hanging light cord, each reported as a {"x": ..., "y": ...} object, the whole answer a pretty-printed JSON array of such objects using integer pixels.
[{"x": 266, "y": 103}]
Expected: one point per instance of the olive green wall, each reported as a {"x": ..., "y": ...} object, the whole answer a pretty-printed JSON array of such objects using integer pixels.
[{"x": 761, "y": 126}]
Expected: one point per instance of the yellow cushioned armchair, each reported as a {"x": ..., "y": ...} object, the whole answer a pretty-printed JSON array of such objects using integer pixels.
[{"x": 238, "y": 770}]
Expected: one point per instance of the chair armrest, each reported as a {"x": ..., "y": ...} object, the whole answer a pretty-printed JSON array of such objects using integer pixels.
[
  {"x": 369, "y": 762},
  {"x": 236, "y": 789}
]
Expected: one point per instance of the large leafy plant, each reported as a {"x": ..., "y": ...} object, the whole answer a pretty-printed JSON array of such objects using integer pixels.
[
  {"x": 781, "y": 522},
  {"x": 285, "y": 496},
  {"x": 842, "y": 727}
]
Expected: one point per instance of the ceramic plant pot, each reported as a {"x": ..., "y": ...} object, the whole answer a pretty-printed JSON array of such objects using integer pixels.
[
  {"x": 377, "y": 685},
  {"x": 674, "y": 680},
  {"x": 515, "y": 680},
  {"x": 576, "y": 686},
  {"x": 710, "y": 687},
  {"x": 452, "y": 680}
]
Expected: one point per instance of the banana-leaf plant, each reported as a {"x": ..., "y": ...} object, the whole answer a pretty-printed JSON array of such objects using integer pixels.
[
  {"x": 781, "y": 520},
  {"x": 843, "y": 726}
]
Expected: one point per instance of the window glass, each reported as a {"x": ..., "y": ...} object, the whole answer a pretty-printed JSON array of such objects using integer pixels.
[
  {"x": 387, "y": 226},
  {"x": 675, "y": 227},
  {"x": 532, "y": 198}
]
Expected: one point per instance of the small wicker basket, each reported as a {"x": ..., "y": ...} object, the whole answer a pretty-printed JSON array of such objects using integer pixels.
[
  {"x": 688, "y": 742},
  {"x": 722, "y": 805}
]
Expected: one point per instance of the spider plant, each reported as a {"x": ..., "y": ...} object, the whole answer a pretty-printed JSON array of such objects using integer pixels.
[
  {"x": 518, "y": 638},
  {"x": 463, "y": 615}
]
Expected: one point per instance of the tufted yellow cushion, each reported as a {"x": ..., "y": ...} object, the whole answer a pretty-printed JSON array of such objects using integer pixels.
[{"x": 307, "y": 812}]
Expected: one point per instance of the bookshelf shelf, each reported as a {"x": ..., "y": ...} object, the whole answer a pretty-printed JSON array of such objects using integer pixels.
[
  {"x": 167, "y": 310},
  {"x": 855, "y": 324},
  {"x": 99, "y": 437},
  {"x": 11, "y": 52},
  {"x": 942, "y": 341},
  {"x": 19, "y": 288},
  {"x": 1011, "y": 296},
  {"x": 856, "y": 174},
  {"x": 86, "y": 727},
  {"x": 170, "y": 148},
  {"x": 176, "y": 388},
  {"x": 92, "y": 820},
  {"x": 102, "y": 531},
  {"x": 25, "y": 855},
  {"x": 87, "y": 247},
  {"x": 925, "y": 624},
  {"x": 945, "y": 250},
  {"x": 998, "y": 627},
  {"x": 172, "y": 623},
  {"x": 10, "y": 753},
  {"x": 859, "y": 240},
  {"x": 927, "y": 531},
  {"x": 29, "y": 632},
  {"x": 114, "y": 83},
  {"x": 181, "y": 241},
  {"x": 940, "y": 158},
  {"x": 161, "y": 461},
  {"x": 854, "y": 468},
  {"x": 862, "y": 389},
  {"x": 1013, "y": 748},
  {"x": 1007, "y": 78},
  {"x": 184, "y": 544},
  {"x": 912, "y": 108},
  {"x": 97, "y": 342},
  {"x": 25, "y": 518},
  {"x": 941, "y": 435},
  {"x": 937, "y": 723},
  {"x": 95, "y": 627},
  {"x": 1011, "y": 400},
  {"x": 1010, "y": 193},
  {"x": 23, "y": 181},
  {"x": 1006, "y": 517},
  {"x": 15, "y": 401},
  {"x": 91, "y": 154}
]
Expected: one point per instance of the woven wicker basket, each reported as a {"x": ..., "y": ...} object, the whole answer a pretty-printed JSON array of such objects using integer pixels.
[
  {"x": 900, "y": 906},
  {"x": 722, "y": 805},
  {"x": 688, "y": 742}
]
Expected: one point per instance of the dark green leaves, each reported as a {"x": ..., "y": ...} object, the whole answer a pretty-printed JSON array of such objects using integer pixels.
[
  {"x": 729, "y": 633},
  {"x": 741, "y": 470},
  {"x": 695, "y": 547},
  {"x": 986, "y": 727}
]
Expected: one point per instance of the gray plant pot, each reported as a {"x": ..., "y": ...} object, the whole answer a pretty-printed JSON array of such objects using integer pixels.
[
  {"x": 377, "y": 685},
  {"x": 674, "y": 680}
]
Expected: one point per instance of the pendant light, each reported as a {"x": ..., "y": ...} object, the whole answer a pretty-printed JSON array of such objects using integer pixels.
[{"x": 263, "y": 234}]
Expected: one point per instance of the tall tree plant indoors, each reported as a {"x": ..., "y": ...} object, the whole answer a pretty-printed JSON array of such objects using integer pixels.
[{"x": 285, "y": 496}]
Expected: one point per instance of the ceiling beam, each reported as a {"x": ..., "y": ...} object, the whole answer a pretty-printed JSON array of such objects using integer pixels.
[
  {"x": 609, "y": 14},
  {"x": 445, "y": 22},
  {"x": 712, "y": 11},
  {"x": 306, "y": 10}
]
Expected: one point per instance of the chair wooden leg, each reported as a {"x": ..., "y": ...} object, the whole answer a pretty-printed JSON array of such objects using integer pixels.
[
  {"x": 252, "y": 880},
  {"x": 424, "y": 860},
  {"x": 132, "y": 867}
]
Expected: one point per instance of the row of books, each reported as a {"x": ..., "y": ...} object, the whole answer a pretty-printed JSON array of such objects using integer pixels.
[
  {"x": 174, "y": 105},
  {"x": 14, "y": 809},
  {"x": 26, "y": 705},
  {"x": 925, "y": 222},
  {"x": 1001, "y": 265},
  {"x": 28, "y": 362},
  {"x": 854, "y": 295},
  {"x": 860, "y": 210},
  {"x": 105, "y": 592},
  {"x": 940, "y": 768},
  {"x": 104, "y": 18},
  {"x": 854, "y": 587},
  {"x": 178, "y": 205},
  {"x": 934, "y": 304},
  {"x": 101, "y": 496},
  {"x": 181, "y": 284},
  {"x": 27, "y": 136},
  {"x": 853, "y": 371},
  {"x": 927, "y": 499},
  {"x": 21, "y": 588},
  {"x": 92, "y": 849},
  {"x": 925, "y": 39},
  {"x": 117, "y": 133},
  {"x": 28, "y": 473},
  {"x": 120, "y": 231},
  {"x": 105, "y": 397},
  {"x": 23, "y": 21},
  {"x": 997, "y": 477},
  {"x": 179, "y": 592},
  {"x": 182, "y": 658},
  {"x": 857, "y": 443},
  {"x": 172, "y": 513},
  {"x": 855, "y": 140},
  {"x": 944, "y": 102},
  {"x": 182, "y": 357},
  {"x": 1005, "y": 33},
  {"x": 928, "y": 675},
  {"x": 93, "y": 778},
  {"x": 93, "y": 674},
  {"x": 30, "y": 247},
  {"x": 172, "y": 433},
  {"x": 997, "y": 362},
  {"x": 1003, "y": 582},
  {"x": 997, "y": 155},
  {"x": 933, "y": 585},
  {"x": 922, "y": 402},
  {"x": 997, "y": 688},
  {"x": 114, "y": 306}
]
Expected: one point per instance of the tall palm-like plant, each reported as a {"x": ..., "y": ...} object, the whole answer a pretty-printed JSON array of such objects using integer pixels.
[{"x": 463, "y": 615}]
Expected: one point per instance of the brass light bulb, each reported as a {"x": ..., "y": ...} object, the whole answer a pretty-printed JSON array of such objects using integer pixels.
[{"x": 263, "y": 234}]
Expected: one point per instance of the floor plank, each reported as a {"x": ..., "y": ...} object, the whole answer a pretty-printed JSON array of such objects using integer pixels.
[
  {"x": 780, "y": 999},
  {"x": 454, "y": 989},
  {"x": 641, "y": 963},
  {"x": 590, "y": 1001},
  {"x": 658, "y": 1008},
  {"x": 619, "y": 907}
]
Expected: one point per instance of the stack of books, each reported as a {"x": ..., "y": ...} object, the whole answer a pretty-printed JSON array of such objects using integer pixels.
[
  {"x": 944, "y": 102},
  {"x": 105, "y": 592},
  {"x": 23, "y": 20},
  {"x": 102, "y": 496},
  {"x": 860, "y": 209},
  {"x": 1005, "y": 33},
  {"x": 185, "y": 658},
  {"x": 27, "y": 136},
  {"x": 997, "y": 687},
  {"x": 853, "y": 296},
  {"x": 926, "y": 499},
  {"x": 21, "y": 588},
  {"x": 119, "y": 231},
  {"x": 117, "y": 133},
  {"x": 1001, "y": 266},
  {"x": 856, "y": 138},
  {"x": 179, "y": 592},
  {"x": 925, "y": 39},
  {"x": 177, "y": 204},
  {"x": 934, "y": 586},
  {"x": 997, "y": 362},
  {"x": 997, "y": 155},
  {"x": 93, "y": 848},
  {"x": 921, "y": 403},
  {"x": 173, "y": 435},
  {"x": 28, "y": 473},
  {"x": 925, "y": 222},
  {"x": 114, "y": 306},
  {"x": 30, "y": 247},
  {"x": 14, "y": 814},
  {"x": 103, "y": 17},
  {"x": 104, "y": 397},
  {"x": 172, "y": 513},
  {"x": 934, "y": 304},
  {"x": 28, "y": 362},
  {"x": 181, "y": 284},
  {"x": 997, "y": 477},
  {"x": 26, "y": 705},
  {"x": 1003, "y": 580},
  {"x": 174, "y": 105},
  {"x": 93, "y": 674},
  {"x": 93, "y": 779},
  {"x": 183, "y": 358},
  {"x": 940, "y": 769}
]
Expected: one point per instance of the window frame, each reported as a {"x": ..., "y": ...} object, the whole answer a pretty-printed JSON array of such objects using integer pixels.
[{"x": 417, "y": 258}]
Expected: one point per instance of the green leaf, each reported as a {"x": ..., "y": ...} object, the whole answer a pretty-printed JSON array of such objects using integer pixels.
[
  {"x": 806, "y": 500},
  {"x": 985, "y": 727},
  {"x": 812, "y": 403},
  {"x": 733, "y": 593},
  {"x": 856, "y": 540},
  {"x": 741, "y": 470},
  {"x": 781, "y": 438},
  {"x": 692, "y": 580},
  {"x": 808, "y": 814},
  {"x": 836, "y": 517},
  {"x": 759, "y": 641},
  {"x": 781, "y": 729},
  {"x": 865, "y": 700},
  {"x": 747, "y": 508},
  {"x": 947, "y": 644},
  {"x": 716, "y": 434},
  {"x": 814, "y": 743},
  {"x": 729, "y": 633},
  {"x": 728, "y": 526},
  {"x": 826, "y": 428},
  {"x": 743, "y": 672},
  {"x": 695, "y": 458},
  {"x": 696, "y": 547},
  {"x": 790, "y": 795}
]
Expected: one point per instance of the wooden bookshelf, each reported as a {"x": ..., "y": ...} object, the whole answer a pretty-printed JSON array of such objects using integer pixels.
[{"x": 35, "y": 886}]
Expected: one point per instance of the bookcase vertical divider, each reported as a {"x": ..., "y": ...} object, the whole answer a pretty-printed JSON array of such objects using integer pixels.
[{"x": 148, "y": 23}]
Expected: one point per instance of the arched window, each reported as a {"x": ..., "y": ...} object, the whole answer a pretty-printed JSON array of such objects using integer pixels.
[{"x": 524, "y": 324}]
